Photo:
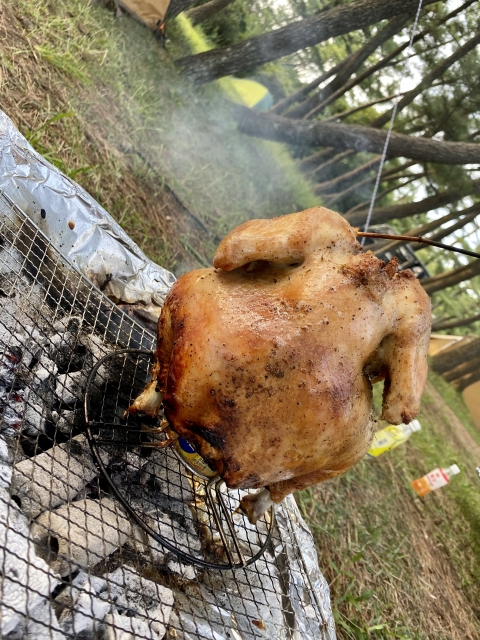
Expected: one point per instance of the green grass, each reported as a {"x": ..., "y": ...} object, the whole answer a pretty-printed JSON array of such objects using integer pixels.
[{"x": 375, "y": 536}]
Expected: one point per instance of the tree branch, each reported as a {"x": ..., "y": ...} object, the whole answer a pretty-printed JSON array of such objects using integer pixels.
[
  {"x": 354, "y": 62},
  {"x": 453, "y": 324}
]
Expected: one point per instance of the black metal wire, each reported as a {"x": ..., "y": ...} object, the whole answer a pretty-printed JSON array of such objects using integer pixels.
[{"x": 189, "y": 558}]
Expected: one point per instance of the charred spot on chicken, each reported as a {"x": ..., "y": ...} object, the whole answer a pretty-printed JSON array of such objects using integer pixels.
[{"x": 265, "y": 361}]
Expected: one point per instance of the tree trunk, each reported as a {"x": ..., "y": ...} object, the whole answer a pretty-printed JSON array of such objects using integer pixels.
[
  {"x": 355, "y": 137},
  {"x": 353, "y": 187},
  {"x": 438, "y": 237},
  {"x": 304, "y": 91},
  {"x": 456, "y": 355},
  {"x": 452, "y": 277},
  {"x": 387, "y": 245},
  {"x": 322, "y": 168},
  {"x": 462, "y": 370},
  {"x": 311, "y": 162},
  {"x": 207, "y": 10},
  {"x": 453, "y": 324},
  {"x": 177, "y": 6},
  {"x": 469, "y": 379},
  {"x": 354, "y": 62},
  {"x": 250, "y": 53}
]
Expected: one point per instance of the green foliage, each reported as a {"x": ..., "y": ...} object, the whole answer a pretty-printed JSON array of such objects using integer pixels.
[{"x": 229, "y": 25}]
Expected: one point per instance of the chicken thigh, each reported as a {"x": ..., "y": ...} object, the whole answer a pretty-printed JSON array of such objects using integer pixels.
[{"x": 265, "y": 361}]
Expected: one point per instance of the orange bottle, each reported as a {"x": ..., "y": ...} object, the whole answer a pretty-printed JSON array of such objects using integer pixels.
[{"x": 434, "y": 480}]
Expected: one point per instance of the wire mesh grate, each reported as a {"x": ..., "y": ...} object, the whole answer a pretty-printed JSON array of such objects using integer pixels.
[{"x": 73, "y": 564}]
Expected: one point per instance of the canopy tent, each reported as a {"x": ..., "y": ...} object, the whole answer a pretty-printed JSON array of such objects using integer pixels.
[{"x": 151, "y": 13}]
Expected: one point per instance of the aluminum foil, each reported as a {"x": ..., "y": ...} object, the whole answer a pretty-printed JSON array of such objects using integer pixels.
[
  {"x": 77, "y": 225},
  {"x": 100, "y": 249},
  {"x": 309, "y": 593}
]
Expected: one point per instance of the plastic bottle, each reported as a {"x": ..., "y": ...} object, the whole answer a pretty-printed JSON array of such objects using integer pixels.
[
  {"x": 390, "y": 437},
  {"x": 434, "y": 480}
]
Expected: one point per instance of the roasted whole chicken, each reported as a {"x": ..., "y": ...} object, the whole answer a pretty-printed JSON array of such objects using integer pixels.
[{"x": 266, "y": 361}]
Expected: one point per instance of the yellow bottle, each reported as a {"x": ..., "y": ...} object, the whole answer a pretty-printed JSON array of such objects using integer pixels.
[{"x": 390, "y": 437}]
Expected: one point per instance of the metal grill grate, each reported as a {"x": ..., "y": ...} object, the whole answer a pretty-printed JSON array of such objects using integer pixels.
[{"x": 72, "y": 563}]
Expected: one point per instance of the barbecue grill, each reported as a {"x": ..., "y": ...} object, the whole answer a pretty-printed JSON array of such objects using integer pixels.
[{"x": 76, "y": 560}]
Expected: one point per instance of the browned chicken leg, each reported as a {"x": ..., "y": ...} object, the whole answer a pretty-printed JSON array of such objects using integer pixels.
[{"x": 264, "y": 362}]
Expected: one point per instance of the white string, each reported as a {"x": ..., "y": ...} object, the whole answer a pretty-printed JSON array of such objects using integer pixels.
[{"x": 392, "y": 119}]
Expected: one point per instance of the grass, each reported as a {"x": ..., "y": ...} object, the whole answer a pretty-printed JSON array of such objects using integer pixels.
[
  {"x": 138, "y": 131},
  {"x": 400, "y": 566}
]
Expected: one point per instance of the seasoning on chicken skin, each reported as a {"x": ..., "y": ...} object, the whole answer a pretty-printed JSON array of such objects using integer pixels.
[{"x": 265, "y": 361}]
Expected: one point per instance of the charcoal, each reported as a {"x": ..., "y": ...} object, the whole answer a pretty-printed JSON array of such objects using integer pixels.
[
  {"x": 68, "y": 323},
  {"x": 118, "y": 627},
  {"x": 64, "y": 421},
  {"x": 5, "y": 464},
  {"x": 187, "y": 571},
  {"x": 27, "y": 580},
  {"x": 43, "y": 370},
  {"x": 35, "y": 416},
  {"x": 83, "y": 610},
  {"x": 169, "y": 477},
  {"x": 84, "y": 533},
  {"x": 53, "y": 477},
  {"x": 12, "y": 409},
  {"x": 138, "y": 598},
  {"x": 70, "y": 387}
]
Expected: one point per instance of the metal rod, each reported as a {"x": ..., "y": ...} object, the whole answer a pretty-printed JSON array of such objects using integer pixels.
[
  {"x": 218, "y": 522},
  {"x": 228, "y": 519},
  {"x": 390, "y": 236}
]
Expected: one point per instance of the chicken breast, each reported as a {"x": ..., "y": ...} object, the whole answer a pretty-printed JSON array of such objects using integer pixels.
[{"x": 265, "y": 361}]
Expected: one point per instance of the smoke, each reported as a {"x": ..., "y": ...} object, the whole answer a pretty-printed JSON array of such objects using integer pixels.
[{"x": 184, "y": 138}]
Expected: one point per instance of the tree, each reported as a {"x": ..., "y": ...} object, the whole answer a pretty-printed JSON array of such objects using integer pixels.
[
  {"x": 451, "y": 278},
  {"x": 454, "y": 356},
  {"x": 250, "y": 53},
  {"x": 205, "y": 11},
  {"x": 351, "y": 65},
  {"x": 399, "y": 211},
  {"x": 355, "y": 137},
  {"x": 454, "y": 324},
  {"x": 178, "y": 6}
]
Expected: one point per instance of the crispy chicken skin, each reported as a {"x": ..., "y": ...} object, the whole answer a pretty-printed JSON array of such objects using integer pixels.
[{"x": 264, "y": 362}]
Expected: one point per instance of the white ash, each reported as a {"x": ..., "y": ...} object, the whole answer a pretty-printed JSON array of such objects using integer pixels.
[
  {"x": 54, "y": 476},
  {"x": 83, "y": 610},
  {"x": 137, "y": 597},
  {"x": 26, "y": 581}
]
